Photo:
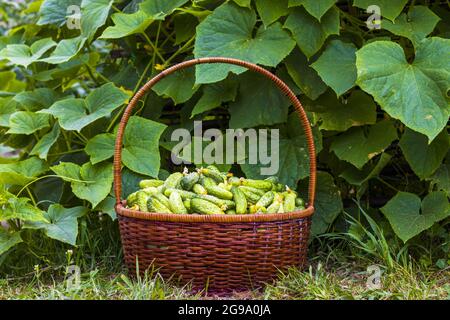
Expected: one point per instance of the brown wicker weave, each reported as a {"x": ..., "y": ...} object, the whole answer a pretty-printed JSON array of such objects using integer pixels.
[{"x": 221, "y": 252}]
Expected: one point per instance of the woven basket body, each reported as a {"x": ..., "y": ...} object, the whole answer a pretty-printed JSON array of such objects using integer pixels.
[{"x": 221, "y": 253}]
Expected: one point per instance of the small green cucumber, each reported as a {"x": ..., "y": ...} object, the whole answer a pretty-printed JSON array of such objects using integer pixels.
[
  {"x": 187, "y": 204},
  {"x": 289, "y": 201},
  {"x": 162, "y": 198},
  {"x": 300, "y": 208},
  {"x": 258, "y": 184},
  {"x": 227, "y": 204},
  {"x": 266, "y": 199},
  {"x": 273, "y": 179},
  {"x": 274, "y": 207},
  {"x": 189, "y": 180},
  {"x": 230, "y": 211},
  {"x": 281, "y": 208},
  {"x": 150, "y": 190},
  {"x": 234, "y": 181},
  {"x": 176, "y": 204},
  {"x": 239, "y": 199},
  {"x": 150, "y": 183},
  {"x": 213, "y": 174},
  {"x": 205, "y": 207},
  {"x": 131, "y": 199},
  {"x": 215, "y": 190},
  {"x": 183, "y": 193},
  {"x": 141, "y": 201},
  {"x": 250, "y": 196},
  {"x": 259, "y": 192},
  {"x": 299, "y": 202},
  {"x": 156, "y": 206},
  {"x": 173, "y": 180},
  {"x": 199, "y": 189}
]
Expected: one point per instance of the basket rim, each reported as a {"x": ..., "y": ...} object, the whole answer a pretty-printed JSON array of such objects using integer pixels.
[{"x": 121, "y": 210}]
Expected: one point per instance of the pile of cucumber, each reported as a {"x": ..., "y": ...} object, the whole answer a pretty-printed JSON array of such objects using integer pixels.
[{"x": 209, "y": 191}]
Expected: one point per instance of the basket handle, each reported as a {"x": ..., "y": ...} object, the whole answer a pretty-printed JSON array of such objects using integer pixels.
[{"x": 279, "y": 83}]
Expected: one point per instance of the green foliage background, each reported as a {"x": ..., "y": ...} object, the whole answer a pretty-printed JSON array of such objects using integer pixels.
[{"x": 377, "y": 99}]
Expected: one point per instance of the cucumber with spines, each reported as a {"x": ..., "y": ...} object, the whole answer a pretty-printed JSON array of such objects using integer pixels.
[
  {"x": 176, "y": 204},
  {"x": 274, "y": 207},
  {"x": 173, "y": 181},
  {"x": 259, "y": 192},
  {"x": 299, "y": 202},
  {"x": 189, "y": 180},
  {"x": 289, "y": 201},
  {"x": 205, "y": 207},
  {"x": 150, "y": 183},
  {"x": 162, "y": 198},
  {"x": 141, "y": 201},
  {"x": 199, "y": 189},
  {"x": 183, "y": 193},
  {"x": 230, "y": 211},
  {"x": 157, "y": 206},
  {"x": 213, "y": 174},
  {"x": 250, "y": 196},
  {"x": 266, "y": 199},
  {"x": 239, "y": 199},
  {"x": 258, "y": 184},
  {"x": 215, "y": 190}
]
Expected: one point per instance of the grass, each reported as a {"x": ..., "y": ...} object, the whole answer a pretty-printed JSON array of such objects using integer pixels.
[{"x": 341, "y": 266}]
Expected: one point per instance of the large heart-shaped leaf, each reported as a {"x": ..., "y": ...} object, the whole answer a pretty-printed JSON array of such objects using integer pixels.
[
  {"x": 180, "y": 86},
  {"x": 414, "y": 93},
  {"x": 101, "y": 147},
  {"x": 356, "y": 147},
  {"x": 292, "y": 155},
  {"x": 414, "y": 25},
  {"x": 62, "y": 223},
  {"x": 441, "y": 178},
  {"x": 42, "y": 147},
  {"x": 93, "y": 15},
  {"x": 126, "y": 24},
  {"x": 55, "y": 11},
  {"x": 8, "y": 240},
  {"x": 27, "y": 122},
  {"x": 309, "y": 33},
  {"x": 65, "y": 50},
  {"x": 22, "y": 172},
  {"x": 388, "y": 8},
  {"x": 24, "y": 55},
  {"x": 141, "y": 146},
  {"x": 305, "y": 77},
  {"x": 409, "y": 216},
  {"x": 259, "y": 102},
  {"x": 36, "y": 99},
  {"x": 18, "y": 208},
  {"x": 315, "y": 8},
  {"x": 337, "y": 66},
  {"x": 228, "y": 32},
  {"x": 270, "y": 11},
  {"x": 159, "y": 9},
  {"x": 328, "y": 202},
  {"x": 332, "y": 114},
  {"x": 424, "y": 158},
  {"x": 75, "y": 113},
  {"x": 369, "y": 171}
]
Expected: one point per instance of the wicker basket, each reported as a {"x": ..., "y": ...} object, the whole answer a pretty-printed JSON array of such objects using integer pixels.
[{"x": 222, "y": 253}]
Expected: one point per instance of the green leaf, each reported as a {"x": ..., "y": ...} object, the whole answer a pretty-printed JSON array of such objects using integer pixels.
[
  {"x": 62, "y": 223},
  {"x": 42, "y": 147},
  {"x": 68, "y": 171},
  {"x": 55, "y": 11},
  {"x": 356, "y": 147},
  {"x": 24, "y": 55},
  {"x": 10, "y": 84},
  {"x": 159, "y": 9},
  {"x": 414, "y": 25},
  {"x": 328, "y": 202},
  {"x": 126, "y": 24},
  {"x": 243, "y": 3},
  {"x": 414, "y": 93},
  {"x": 228, "y": 32},
  {"x": 65, "y": 50},
  {"x": 36, "y": 99},
  {"x": 441, "y": 178},
  {"x": 259, "y": 102},
  {"x": 184, "y": 25},
  {"x": 337, "y": 66},
  {"x": 180, "y": 86},
  {"x": 315, "y": 8},
  {"x": 100, "y": 147},
  {"x": 424, "y": 158},
  {"x": 93, "y": 16},
  {"x": 388, "y": 8},
  {"x": 309, "y": 33},
  {"x": 141, "y": 146},
  {"x": 75, "y": 113},
  {"x": 214, "y": 95},
  {"x": 8, "y": 240},
  {"x": 108, "y": 206},
  {"x": 18, "y": 208},
  {"x": 22, "y": 172},
  {"x": 359, "y": 109},
  {"x": 409, "y": 216},
  {"x": 292, "y": 155},
  {"x": 305, "y": 77},
  {"x": 7, "y": 108},
  {"x": 369, "y": 171},
  {"x": 27, "y": 122},
  {"x": 270, "y": 11},
  {"x": 100, "y": 177}
]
